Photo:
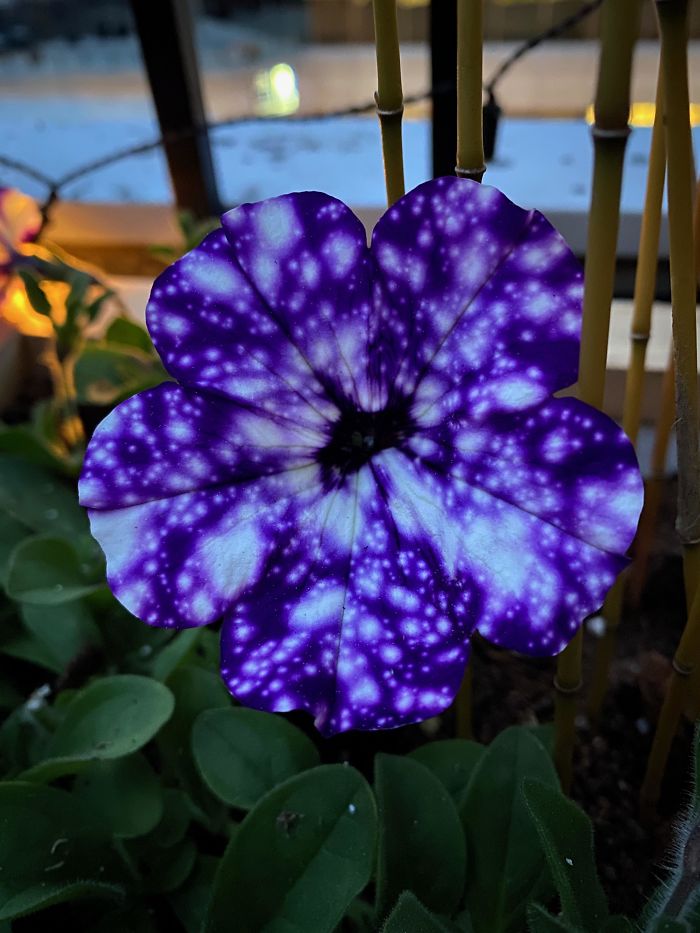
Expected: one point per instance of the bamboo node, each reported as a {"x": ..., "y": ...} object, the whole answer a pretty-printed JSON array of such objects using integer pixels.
[
  {"x": 474, "y": 173},
  {"x": 567, "y": 691},
  {"x": 636, "y": 337},
  {"x": 602, "y": 132},
  {"x": 396, "y": 114},
  {"x": 681, "y": 669}
]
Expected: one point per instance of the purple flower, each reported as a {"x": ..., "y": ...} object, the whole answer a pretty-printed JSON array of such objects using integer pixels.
[{"x": 361, "y": 461}]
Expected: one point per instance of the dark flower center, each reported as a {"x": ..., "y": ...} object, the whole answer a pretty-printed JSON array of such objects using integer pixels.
[{"x": 358, "y": 435}]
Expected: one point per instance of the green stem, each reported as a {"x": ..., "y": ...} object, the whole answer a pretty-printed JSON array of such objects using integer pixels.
[
  {"x": 389, "y": 96},
  {"x": 620, "y": 21},
  {"x": 470, "y": 131}
]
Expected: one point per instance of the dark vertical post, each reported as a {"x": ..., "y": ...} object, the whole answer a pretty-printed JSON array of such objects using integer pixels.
[
  {"x": 443, "y": 69},
  {"x": 166, "y": 33}
]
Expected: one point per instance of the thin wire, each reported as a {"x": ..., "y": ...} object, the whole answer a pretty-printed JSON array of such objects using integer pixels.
[{"x": 55, "y": 185}]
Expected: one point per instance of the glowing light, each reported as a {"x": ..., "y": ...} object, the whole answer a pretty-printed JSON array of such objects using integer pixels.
[
  {"x": 16, "y": 308},
  {"x": 642, "y": 113},
  {"x": 277, "y": 90}
]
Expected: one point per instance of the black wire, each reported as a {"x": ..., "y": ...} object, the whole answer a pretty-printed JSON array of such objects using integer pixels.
[{"x": 55, "y": 185}]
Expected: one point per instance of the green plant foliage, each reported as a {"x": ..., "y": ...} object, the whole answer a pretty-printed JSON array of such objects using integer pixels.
[
  {"x": 37, "y": 499},
  {"x": 506, "y": 869},
  {"x": 110, "y": 718},
  {"x": 566, "y": 836},
  {"x": 46, "y": 570},
  {"x": 176, "y": 652},
  {"x": 125, "y": 793},
  {"x": 410, "y": 915},
  {"x": 242, "y": 753},
  {"x": 129, "y": 334},
  {"x": 421, "y": 841},
  {"x": 452, "y": 762},
  {"x": 300, "y": 856},
  {"x": 48, "y": 852},
  {"x": 107, "y": 374}
]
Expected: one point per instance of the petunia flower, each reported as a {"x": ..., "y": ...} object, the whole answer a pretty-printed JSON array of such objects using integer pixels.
[{"x": 362, "y": 462}]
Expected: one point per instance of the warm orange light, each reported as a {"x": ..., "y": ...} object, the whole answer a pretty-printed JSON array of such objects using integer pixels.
[
  {"x": 642, "y": 113},
  {"x": 16, "y": 308}
]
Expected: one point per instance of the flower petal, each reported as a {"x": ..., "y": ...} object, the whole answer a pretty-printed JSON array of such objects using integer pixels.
[
  {"x": 307, "y": 258},
  {"x": 475, "y": 290},
  {"x": 563, "y": 461},
  {"x": 349, "y": 621},
  {"x": 169, "y": 440},
  {"x": 537, "y": 583},
  {"x": 181, "y": 561},
  {"x": 213, "y": 330}
]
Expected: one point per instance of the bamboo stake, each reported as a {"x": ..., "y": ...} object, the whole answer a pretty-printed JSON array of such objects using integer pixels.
[
  {"x": 640, "y": 329},
  {"x": 470, "y": 164},
  {"x": 619, "y": 29},
  {"x": 653, "y": 492},
  {"x": 470, "y": 130},
  {"x": 674, "y": 45},
  {"x": 389, "y": 96}
]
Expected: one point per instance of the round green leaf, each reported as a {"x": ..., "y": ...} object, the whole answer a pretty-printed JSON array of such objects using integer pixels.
[
  {"x": 421, "y": 841},
  {"x": 299, "y": 857},
  {"x": 48, "y": 852},
  {"x": 36, "y": 498},
  {"x": 452, "y": 762},
  {"x": 243, "y": 753},
  {"x": 507, "y": 867},
  {"x": 110, "y": 718},
  {"x": 125, "y": 793},
  {"x": 45, "y": 570}
]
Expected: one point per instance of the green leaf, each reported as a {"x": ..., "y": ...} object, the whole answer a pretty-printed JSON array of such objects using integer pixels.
[
  {"x": 35, "y": 293},
  {"x": 540, "y": 920},
  {"x": 48, "y": 852},
  {"x": 669, "y": 925},
  {"x": 507, "y": 868},
  {"x": 128, "y": 333},
  {"x": 175, "y": 652},
  {"x": 410, "y": 916},
  {"x": 125, "y": 793},
  {"x": 53, "y": 636},
  {"x": 452, "y": 761},
  {"x": 36, "y": 498},
  {"x": 12, "y": 532},
  {"x": 421, "y": 841},
  {"x": 299, "y": 857},
  {"x": 110, "y": 718},
  {"x": 22, "y": 441},
  {"x": 108, "y": 374},
  {"x": 243, "y": 753},
  {"x": 618, "y": 924},
  {"x": 191, "y": 900},
  {"x": 47, "y": 571},
  {"x": 566, "y": 836}
]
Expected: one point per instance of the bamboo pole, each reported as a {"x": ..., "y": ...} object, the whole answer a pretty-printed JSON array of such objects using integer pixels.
[
  {"x": 653, "y": 492},
  {"x": 619, "y": 29},
  {"x": 470, "y": 129},
  {"x": 389, "y": 96},
  {"x": 469, "y": 164},
  {"x": 674, "y": 44},
  {"x": 640, "y": 330}
]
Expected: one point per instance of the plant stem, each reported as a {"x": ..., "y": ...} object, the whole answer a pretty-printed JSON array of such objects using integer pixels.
[
  {"x": 674, "y": 50},
  {"x": 389, "y": 96},
  {"x": 470, "y": 130},
  {"x": 640, "y": 330},
  {"x": 619, "y": 31},
  {"x": 684, "y": 663}
]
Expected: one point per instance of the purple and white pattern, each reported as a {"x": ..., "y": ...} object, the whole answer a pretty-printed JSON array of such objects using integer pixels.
[{"x": 362, "y": 461}]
